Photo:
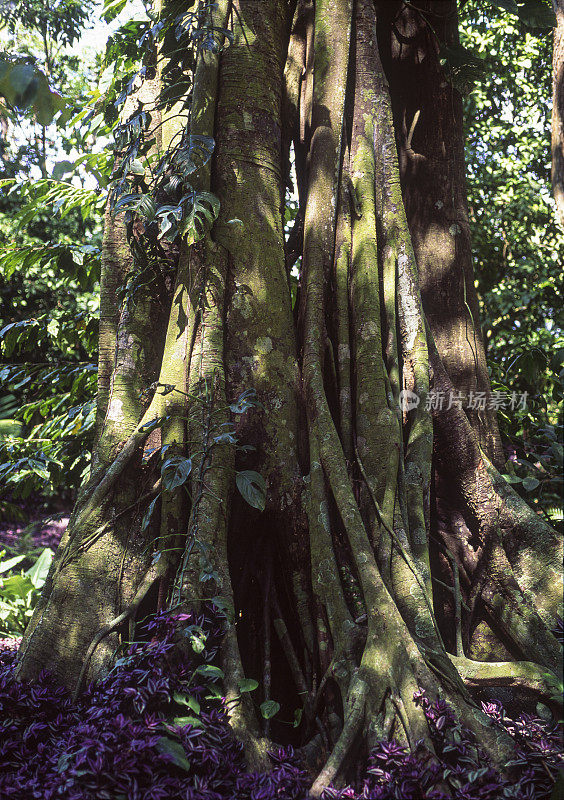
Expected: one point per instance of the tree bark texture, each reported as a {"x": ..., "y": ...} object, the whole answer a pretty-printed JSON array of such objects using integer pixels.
[{"x": 558, "y": 111}]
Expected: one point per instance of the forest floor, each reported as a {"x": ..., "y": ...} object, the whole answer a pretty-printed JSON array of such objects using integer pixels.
[{"x": 39, "y": 531}]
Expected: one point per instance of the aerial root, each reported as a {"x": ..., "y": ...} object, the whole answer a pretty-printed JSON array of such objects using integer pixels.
[
  {"x": 376, "y": 720},
  {"x": 514, "y": 674},
  {"x": 354, "y": 718}
]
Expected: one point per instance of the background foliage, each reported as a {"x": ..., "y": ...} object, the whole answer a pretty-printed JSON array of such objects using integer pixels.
[
  {"x": 51, "y": 177},
  {"x": 518, "y": 245}
]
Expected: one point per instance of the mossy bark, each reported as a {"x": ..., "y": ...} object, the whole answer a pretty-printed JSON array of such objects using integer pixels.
[
  {"x": 430, "y": 138},
  {"x": 558, "y": 111}
]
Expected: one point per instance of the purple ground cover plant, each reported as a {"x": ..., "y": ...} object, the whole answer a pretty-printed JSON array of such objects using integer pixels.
[{"x": 155, "y": 728}]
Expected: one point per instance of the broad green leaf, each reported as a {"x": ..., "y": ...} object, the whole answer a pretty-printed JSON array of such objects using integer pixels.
[
  {"x": 147, "y": 207},
  {"x": 200, "y": 218},
  {"x": 10, "y": 427},
  {"x": 189, "y": 720},
  {"x": 136, "y": 167},
  {"x": 6, "y": 566},
  {"x": 46, "y": 103},
  {"x": 210, "y": 671},
  {"x": 63, "y": 168},
  {"x": 530, "y": 483},
  {"x": 16, "y": 586},
  {"x": 197, "y": 638},
  {"x": 174, "y": 751},
  {"x": 112, "y": 8},
  {"x": 194, "y": 155},
  {"x": 252, "y": 487},
  {"x": 537, "y": 14},
  {"x": 269, "y": 708},
  {"x": 175, "y": 472},
  {"x": 187, "y": 700},
  {"x": 38, "y": 572},
  {"x": 505, "y": 5},
  {"x": 512, "y": 478},
  {"x": 248, "y": 685},
  {"x": 463, "y": 67},
  {"x": 21, "y": 76},
  {"x": 225, "y": 606}
]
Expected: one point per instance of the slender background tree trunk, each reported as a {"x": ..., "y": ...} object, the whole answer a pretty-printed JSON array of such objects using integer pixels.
[{"x": 558, "y": 111}]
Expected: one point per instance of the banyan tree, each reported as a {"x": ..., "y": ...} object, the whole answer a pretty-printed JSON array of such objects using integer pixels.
[{"x": 294, "y": 415}]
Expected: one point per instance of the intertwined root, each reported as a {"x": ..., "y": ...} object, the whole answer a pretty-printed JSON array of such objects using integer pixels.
[{"x": 378, "y": 707}]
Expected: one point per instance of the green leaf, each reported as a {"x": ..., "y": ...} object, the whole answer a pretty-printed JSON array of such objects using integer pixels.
[
  {"x": 149, "y": 513},
  {"x": 200, "y": 218},
  {"x": 210, "y": 671},
  {"x": 269, "y": 708},
  {"x": 46, "y": 103},
  {"x": 63, "y": 167},
  {"x": 38, "y": 572},
  {"x": 16, "y": 586},
  {"x": 5, "y": 566},
  {"x": 147, "y": 207},
  {"x": 298, "y": 717},
  {"x": 505, "y": 5},
  {"x": 245, "y": 401},
  {"x": 224, "y": 606},
  {"x": 175, "y": 472},
  {"x": 530, "y": 483},
  {"x": 136, "y": 167},
  {"x": 463, "y": 67},
  {"x": 197, "y": 638},
  {"x": 248, "y": 685},
  {"x": 189, "y": 720},
  {"x": 21, "y": 76},
  {"x": 510, "y": 478},
  {"x": 10, "y": 427},
  {"x": 537, "y": 14},
  {"x": 174, "y": 751},
  {"x": 192, "y": 703},
  {"x": 195, "y": 154},
  {"x": 187, "y": 700},
  {"x": 112, "y": 8},
  {"x": 252, "y": 487}
]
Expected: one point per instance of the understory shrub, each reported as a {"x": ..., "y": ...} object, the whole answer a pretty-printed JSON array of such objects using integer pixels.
[
  {"x": 155, "y": 728},
  {"x": 20, "y": 588}
]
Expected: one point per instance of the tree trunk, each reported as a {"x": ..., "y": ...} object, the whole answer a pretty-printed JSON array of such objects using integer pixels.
[
  {"x": 370, "y": 508},
  {"x": 558, "y": 111}
]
